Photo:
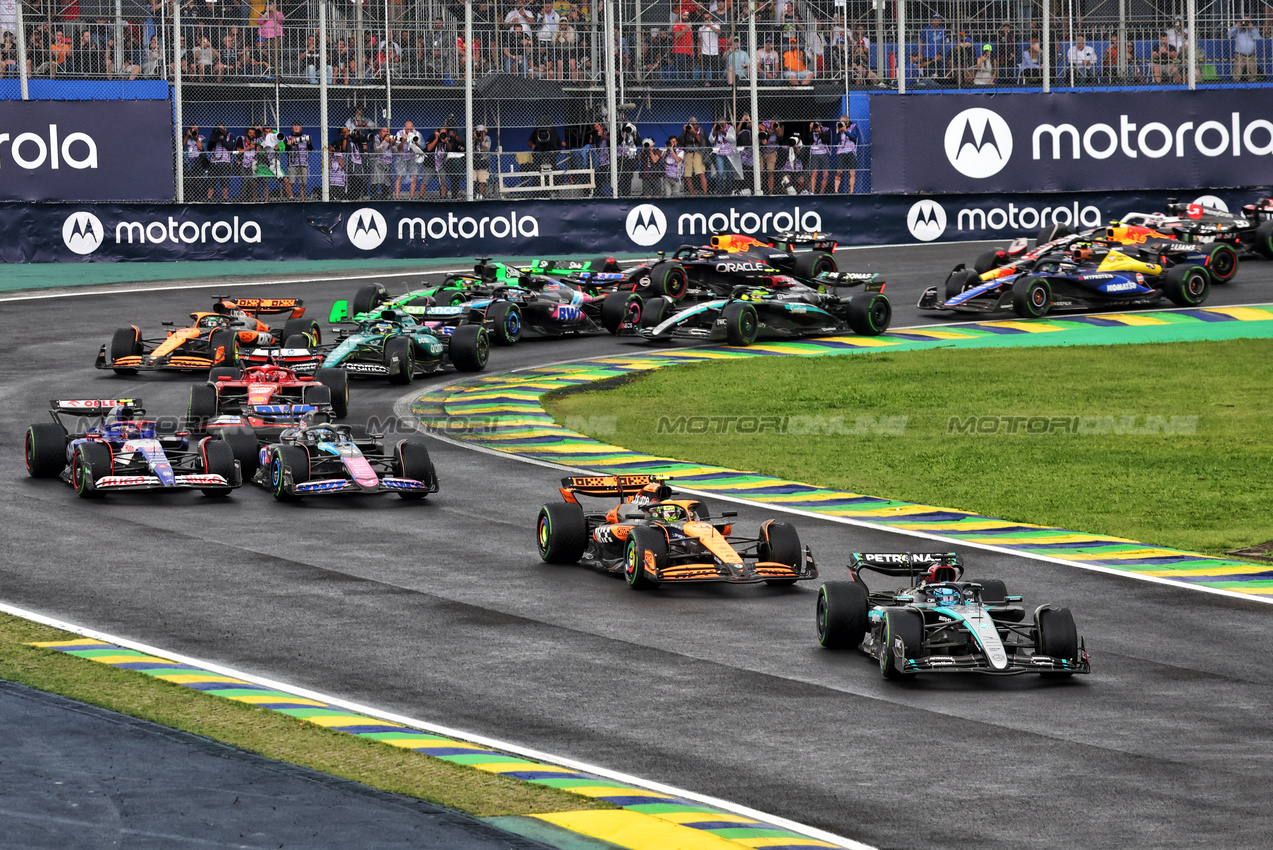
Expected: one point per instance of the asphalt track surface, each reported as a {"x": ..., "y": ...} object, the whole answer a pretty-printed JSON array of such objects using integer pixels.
[{"x": 443, "y": 611}]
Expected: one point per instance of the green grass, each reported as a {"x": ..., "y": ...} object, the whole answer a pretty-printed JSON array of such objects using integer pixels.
[
  {"x": 269, "y": 733},
  {"x": 1207, "y": 491}
]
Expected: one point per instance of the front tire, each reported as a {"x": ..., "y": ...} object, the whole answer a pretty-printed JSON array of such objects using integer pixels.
[
  {"x": 125, "y": 342},
  {"x": 90, "y": 462},
  {"x": 656, "y": 310},
  {"x": 307, "y": 328},
  {"x": 204, "y": 405},
  {"x": 413, "y": 461},
  {"x": 470, "y": 348},
  {"x": 986, "y": 261},
  {"x": 640, "y": 542},
  {"x": 400, "y": 360},
  {"x": 223, "y": 348},
  {"x": 1222, "y": 263},
  {"x": 561, "y": 533},
  {"x": 619, "y": 307},
  {"x": 842, "y": 614},
  {"x": 296, "y": 461},
  {"x": 45, "y": 450},
  {"x": 1031, "y": 297},
  {"x": 961, "y": 281},
  {"x": 907, "y": 625},
  {"x": 1056, "y": 636},
  {"x": 216, "y": 458},
  {"x": 504, "y": 319},
  {"x": 1187, "y": 286},
  {"x": 870, "y": 313},
  {"x": 1264, "y": 239},
  {"x": 741, "y": 324},
  {"x": 244, "y": 447},
  {"x": 780, "y": 543}
]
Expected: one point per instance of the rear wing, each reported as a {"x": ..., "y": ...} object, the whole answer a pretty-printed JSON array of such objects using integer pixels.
[
  {"x": 901, "y": 563},
  {"x": 788, "y": 241},
  {"x": 601, "y": 486},
  {"x": 89, "y": 406},
  {"x": 869, "y": 281},
  {"x": 267, "y": 306}
]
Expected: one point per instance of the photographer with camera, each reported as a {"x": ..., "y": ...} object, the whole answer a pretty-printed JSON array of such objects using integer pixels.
[
  {"x": 406, "y": 160},
  {"x": 820, "y": 177},
  {"x": 694, "y": 143},
  {"x": 726, "y": 161},
  {"x": 220, "y": 158},
  {"x": 629, "y": 147},
  {"x": 847, "y": 139},
  {"x": 649, "y": 166},
  {"x": 448, "y": 160},
  {"x": 197, "y": 163},
  {"x": 673, "y": 168},
  {"x": 380, "y": 154},
  {"x": 481, "y": 161},
  {"x": 745, "y": 156},
  {"x": 298, "y": 148}
]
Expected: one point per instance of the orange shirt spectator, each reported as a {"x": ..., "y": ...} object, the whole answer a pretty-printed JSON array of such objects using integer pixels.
[{"x": 794, "y": 68}]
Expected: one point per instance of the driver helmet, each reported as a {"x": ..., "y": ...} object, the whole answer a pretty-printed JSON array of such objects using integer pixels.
[
  {"x": 946, "y": 595},
  {"x": 382, "y": 328},
  {"x": 667, "y": 513}
]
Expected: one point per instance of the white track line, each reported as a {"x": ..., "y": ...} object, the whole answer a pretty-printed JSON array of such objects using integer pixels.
[{"x": 492, "y": 743}]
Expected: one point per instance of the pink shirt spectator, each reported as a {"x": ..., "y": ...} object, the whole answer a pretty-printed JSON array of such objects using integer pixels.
[{"x": 270, "y": 24}]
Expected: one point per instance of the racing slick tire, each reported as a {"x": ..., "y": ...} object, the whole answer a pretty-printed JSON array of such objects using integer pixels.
[
  {"x": 640, "y": 541},
  {"x": 870, "y": 313},
  {"x": 336, "y": 380},
  {"x": 125, "y": 342},
  {"x": 90, "y": 462},
  {"x": 961, "y": 281},
  {"x": 1264, "y": 238},
  {"x": 1031, "y": 297},
  {"x": 228, "y": 342},
  {"x": 809, "y": 265},
  {"x": 317, "y": 394},
  {"x": 1222, "y": 263},
  {"x": 411, "y": 460},
  {"x": 907, "y": 625},
  {"x": 986, "y": 261},
  {"x": 400, "y": 360},
  {"x": 470, "y": 348},
  {"x": 307, "y": 328},
  {"x": 741, "y": 324},
  {"x": 655, "y": 311},
  {"x": 204, "y": 405},
  {"x": 842, "y": 614},
  {"x": 1051, "y": 233},
  {"x": 216, "y": 373},
  {"x": 296, "y": 341},
  {"x": 216, "y": 458},
  {"x": 294, "y": 458},
  {"x": 504, "y": 320},
  {"x": 619, "y": 307},
  {"x": 780, "y": 543},
  {"x": 561, "y": 533},
  {"x": 1056, "y": 636},
  {"x": 1187, "y": 286},
  {"x": 245, "y": 448},
  {"x": 367, "y": 299},
  {"x": 993, "y": 591},
  {"x": 669, "y": 280},
  {"x": 45, "y": 450}
]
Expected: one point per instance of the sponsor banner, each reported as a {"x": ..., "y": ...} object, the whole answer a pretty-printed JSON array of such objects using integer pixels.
[
  {"x": 1072, "y": 141},
  {"x": 86, "y": 151},
  {"x": 42, "y": 233}
]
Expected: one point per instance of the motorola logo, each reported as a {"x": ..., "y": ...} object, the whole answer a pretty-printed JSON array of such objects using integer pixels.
[
  {"x": 82, "y": 232},
  {"x": 646, "y": 225},
  {"x": 978, "y": 143},
  {"x": 366, "y": 229},
  {"x": 926, "y": 220}
]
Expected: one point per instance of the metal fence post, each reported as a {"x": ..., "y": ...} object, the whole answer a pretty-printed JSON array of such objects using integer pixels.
[
  {"x": 469, "y": 124},
  {"x": 754, "y": 93},
  {"x": 176, "y": 100},
  {"x": 612, "y": 117},
  {"x": 23, "y": 80},
  {"x": 901, "y": 46},
  {"x": 1047, "y": 45},
  {"x": 1191, "y": 13},
  {"x": 322, "y": 100}
]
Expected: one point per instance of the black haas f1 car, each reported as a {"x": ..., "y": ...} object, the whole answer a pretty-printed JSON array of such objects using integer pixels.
[
  {"x": 122, "y": 451},
  {"x": 1250, "y": 232},
  {"x": 939, "y": 623},
  {"x": 1082, "y": 275},
  {"x": 325, "y": 460},
  {"x": 653, "y": 538},
  {"x": 212, "y": 339},
  {"x": 783, "y": 308}
]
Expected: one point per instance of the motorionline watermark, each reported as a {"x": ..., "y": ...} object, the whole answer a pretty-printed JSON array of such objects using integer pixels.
[
  {"x": 794, "y": 425},
  {"x": 1129, "y": 425}
]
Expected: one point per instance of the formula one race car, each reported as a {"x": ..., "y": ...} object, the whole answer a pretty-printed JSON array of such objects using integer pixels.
[
  {"x": 652, "y": 538},
  {"x": 938, "y": 623},
  {"x": 327, "y": 459},
  {"x": 1250, "y": 233},
  {"x": 213, "y": 338},
  {"x": 1083, "y": 275},
  {"x": 121, "y": 451},
  {"x": 393, "y": 346},
  {"x": 785, "y": 309}
]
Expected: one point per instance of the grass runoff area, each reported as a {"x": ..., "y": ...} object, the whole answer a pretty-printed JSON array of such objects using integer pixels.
[
  {"x": 1166, "y": 444},
  {"x": 268, "y": 733}
]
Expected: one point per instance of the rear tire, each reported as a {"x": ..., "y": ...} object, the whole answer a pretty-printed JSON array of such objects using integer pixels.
[
  {"x": 245, "y": 448},
  {"x": 126, "y": 342},
  {"x": 809, "y": 265},
  {"x": 1222, "y": 264},
  {"x": 470, "y": 348},
  {"x": 204, "y": 405},
  {"x": 561, "y": 533},
  {"x": 45, "y": 450},
  {"x": 870, "y": 313},
  {"x": 504, "y": 320},
  {"x": 1056, "y": 636},
  {"x": 1031, "y": 297},
  {"x": 400, "y": 360},
  {"x": 216, "y": 458},
  {"x": 367, "y": 299},
  {"x": 640, "y": 541},
  {"x": 907, "y": 624},
  {"x": 336, "y": 380},
  {"x": 619, "y": 307},
  {"x": 294, "y": 459},
  {"x": 1187, "y": 286},
  {"x": 669, "y": 280},
  {"x": 741, "y": 324},
  {"x": 780, "y": 543},
  {"x": 90, "y": 462},
  {"x": 1264, "y": 239},
  {"x": 1053, "y": 232},
  {"x": 842, "y": 614}
]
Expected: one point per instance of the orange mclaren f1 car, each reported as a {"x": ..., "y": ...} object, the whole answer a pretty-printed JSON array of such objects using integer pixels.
[
  {"x": 651, "y": 537},
  {"x": 212, "y": 339}
]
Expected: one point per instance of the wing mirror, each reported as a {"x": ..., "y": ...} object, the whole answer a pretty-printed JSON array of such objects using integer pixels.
[
  {"x": 728, "y": 513},
  {"x": 903, "y": 599},
  {"x": 1012, "y": 599}
]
